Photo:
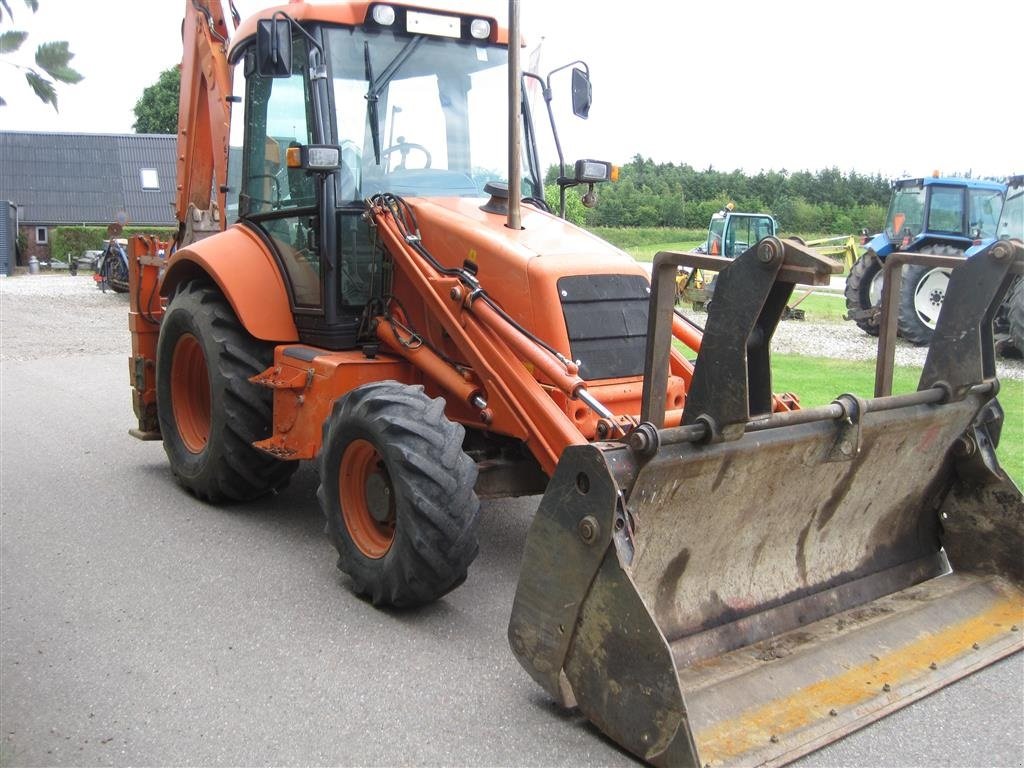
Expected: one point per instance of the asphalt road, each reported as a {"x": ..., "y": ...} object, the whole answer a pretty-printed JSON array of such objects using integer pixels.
[{"x": 141, "y": 627}]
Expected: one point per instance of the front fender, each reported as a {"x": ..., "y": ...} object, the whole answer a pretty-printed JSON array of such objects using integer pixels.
[
  {"x": 881, "y": 245},
  {"x": 247, "y": 274}
]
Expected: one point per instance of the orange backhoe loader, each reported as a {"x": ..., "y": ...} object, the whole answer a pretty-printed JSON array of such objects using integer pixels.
[{"x": 714, "y": 575}]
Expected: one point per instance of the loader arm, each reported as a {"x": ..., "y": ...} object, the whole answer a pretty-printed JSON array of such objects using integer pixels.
[
  {"x": 517, "y": 403},
  {"x": 204, "y": 121}
]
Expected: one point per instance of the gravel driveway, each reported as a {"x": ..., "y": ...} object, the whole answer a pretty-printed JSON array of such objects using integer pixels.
[{"x": 74, "y": 317}]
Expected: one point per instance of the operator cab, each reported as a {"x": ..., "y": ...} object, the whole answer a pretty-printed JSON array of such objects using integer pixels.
[
  {"x": 730, "y": 234},
  {"x": 408, "y": 99},
  {"x": 949, "y": 208}
]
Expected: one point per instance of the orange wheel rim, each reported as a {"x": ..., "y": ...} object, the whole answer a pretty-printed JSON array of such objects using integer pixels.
[
  {"x": 190, "y": 393},
  {"x": 367, "y": 499}
]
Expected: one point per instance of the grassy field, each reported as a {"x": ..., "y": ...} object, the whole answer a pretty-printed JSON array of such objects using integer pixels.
[
  {"x": 820, "y": 307},
  {"x": 819, "y": 380},
  {"x": 643, "y": 242}
]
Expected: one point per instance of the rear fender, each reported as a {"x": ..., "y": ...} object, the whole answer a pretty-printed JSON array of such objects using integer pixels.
[{"x": 246, "y": 272}]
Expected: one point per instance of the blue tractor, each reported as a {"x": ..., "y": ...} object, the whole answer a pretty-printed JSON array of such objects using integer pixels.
[{"x": 942, "y": 216}]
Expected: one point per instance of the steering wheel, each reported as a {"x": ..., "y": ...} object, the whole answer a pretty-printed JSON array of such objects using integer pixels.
[{"x": 404, "y": 148}]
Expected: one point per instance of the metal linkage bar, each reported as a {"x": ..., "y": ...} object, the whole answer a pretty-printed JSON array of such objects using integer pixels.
[
  {"x": 961, "y": 352},
  {"x": 892, "y": 288},
  {"x": 646, "y": 441},
  {"x": 732, "y": 376}
]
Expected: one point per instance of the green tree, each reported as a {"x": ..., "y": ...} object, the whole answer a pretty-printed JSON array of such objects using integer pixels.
[
  {"x": 575, "y": 212},
  {"x": 156, "y": 111},
  {"x": 52, "y": 58}
]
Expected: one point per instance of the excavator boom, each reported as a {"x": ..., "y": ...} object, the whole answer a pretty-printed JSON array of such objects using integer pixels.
[{"x": 204, "y": 120}]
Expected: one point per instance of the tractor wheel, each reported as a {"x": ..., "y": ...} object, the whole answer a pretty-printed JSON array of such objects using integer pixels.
[
  {"x": 921, "y": 297},
  {"x": 398, "y": 494},
  {"x": 210, "y": 414},
  {"x": 864, "y": 290},
  {"x": 1015, "y": 313}
]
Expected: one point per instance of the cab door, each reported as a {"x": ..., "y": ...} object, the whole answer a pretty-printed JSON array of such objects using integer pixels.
[{"x": 284, "y": 203}]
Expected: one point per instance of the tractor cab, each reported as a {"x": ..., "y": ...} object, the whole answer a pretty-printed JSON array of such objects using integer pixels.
[
  {"x": 398, "y": 100},
  {"x": 730, "y": 234},
  {"x": 342, "y": 103},
  {"x": 955, "y": 212}
]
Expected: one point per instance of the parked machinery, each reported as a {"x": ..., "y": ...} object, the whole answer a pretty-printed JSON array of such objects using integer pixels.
[
  {"x": 712, "y": 576},
  {"x": 936, "y": 215},
  {"x": 1008, "y": 322},
  {"x": 730, "y": 233}
]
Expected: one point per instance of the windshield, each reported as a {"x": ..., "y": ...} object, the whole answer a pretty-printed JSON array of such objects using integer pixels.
[
  {"x": 1011, "y": 223},
  {"x": 715, "y": 230},
  {"x": 906, "y": 213},
  {"x": 745, "y": 231},
  {"x": 985, "y": 207},
  {"x": 441, "y": 114}
]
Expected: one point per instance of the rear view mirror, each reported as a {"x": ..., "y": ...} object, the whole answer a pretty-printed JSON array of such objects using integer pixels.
[
  {"x": 274, "y": 48},
  {"x": 581, "y": 93}
]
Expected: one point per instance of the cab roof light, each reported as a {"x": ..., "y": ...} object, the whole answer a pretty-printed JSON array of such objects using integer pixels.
[
  {"x": 383, "y": 15},
  {"x": 480, "y": 29}
]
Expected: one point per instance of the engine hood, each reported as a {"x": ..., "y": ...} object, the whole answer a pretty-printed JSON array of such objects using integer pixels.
[
  {"x": 567, "y": 286},
  {"x": 457, "y": 228}
]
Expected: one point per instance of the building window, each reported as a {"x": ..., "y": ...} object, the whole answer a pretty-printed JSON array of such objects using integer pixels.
[
  {"x": 150, "y": 180},
  {"x": 41, "y": 235}
]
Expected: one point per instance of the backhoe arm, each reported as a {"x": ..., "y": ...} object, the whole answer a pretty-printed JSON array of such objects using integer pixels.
[{"x": 204, "y": 121}]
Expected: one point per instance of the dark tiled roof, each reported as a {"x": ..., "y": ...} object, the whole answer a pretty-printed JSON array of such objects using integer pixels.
[{"x": 87, "y": 178}]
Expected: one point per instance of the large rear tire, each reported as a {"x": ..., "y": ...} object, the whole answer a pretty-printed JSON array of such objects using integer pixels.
[
  {"x": 921, "y": 297},
  {"x": 864, "y": 290},
  {"x": 1015, "y": 314},
  {"x": 209, "y": 412},
  {"x": 397, "y": 491}
]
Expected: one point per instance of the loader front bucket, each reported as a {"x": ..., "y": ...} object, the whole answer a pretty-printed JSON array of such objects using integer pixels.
[{"x": 747, "y": 587}]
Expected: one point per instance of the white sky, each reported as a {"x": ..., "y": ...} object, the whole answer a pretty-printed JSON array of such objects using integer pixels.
[{"x": 899, "y": 87}]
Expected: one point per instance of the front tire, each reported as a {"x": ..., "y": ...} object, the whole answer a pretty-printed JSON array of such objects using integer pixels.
[
  {"x": 921, "y": 297},
  {"x": 864, "y": 290},
  {"x": 209, "y": 412},
  {"x": 397, "y": 491}
]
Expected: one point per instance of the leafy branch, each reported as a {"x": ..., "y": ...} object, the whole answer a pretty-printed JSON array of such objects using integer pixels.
[{"x": 53, "y": 59}]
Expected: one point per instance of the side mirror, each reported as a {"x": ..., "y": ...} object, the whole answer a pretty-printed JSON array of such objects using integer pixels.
[
  {"x": 581, "y": 93},
  {"x": 274, "y": 48}
]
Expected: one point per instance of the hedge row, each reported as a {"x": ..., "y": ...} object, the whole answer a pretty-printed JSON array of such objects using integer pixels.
[{"x": 77, "y": 240}]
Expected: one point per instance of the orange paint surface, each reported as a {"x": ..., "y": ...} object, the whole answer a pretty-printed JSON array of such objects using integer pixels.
[
  {"x": 248, "y": 276},
  {"x": 354, "y": 14}
]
